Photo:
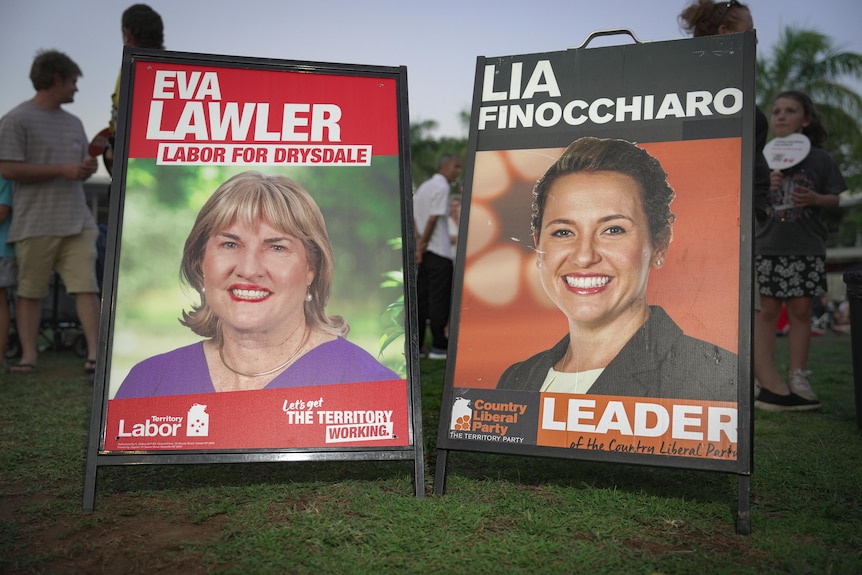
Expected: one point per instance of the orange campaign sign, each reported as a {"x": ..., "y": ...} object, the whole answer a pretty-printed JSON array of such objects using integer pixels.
[
  {"x": 502, "y": 297},
  {"x": 602, "y": 296},
  {"x": 626, "y": 425}
]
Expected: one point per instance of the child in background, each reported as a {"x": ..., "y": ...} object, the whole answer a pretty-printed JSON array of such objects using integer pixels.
[
  {"x": 790, "y": 252},
  {"x": 8, "y": 269}
]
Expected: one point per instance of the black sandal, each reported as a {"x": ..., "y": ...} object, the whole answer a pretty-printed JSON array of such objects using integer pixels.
[{"x": 90, "y": 366}]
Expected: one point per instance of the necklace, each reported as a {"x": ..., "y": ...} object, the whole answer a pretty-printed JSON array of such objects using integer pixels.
[{"x": 268, "y": 372}]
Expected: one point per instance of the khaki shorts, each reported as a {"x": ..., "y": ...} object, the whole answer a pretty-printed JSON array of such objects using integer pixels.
[{"x": 73, "y": 257}]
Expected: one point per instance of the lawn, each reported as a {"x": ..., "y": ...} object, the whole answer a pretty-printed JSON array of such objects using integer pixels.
[{"x": 500, "y": 514}]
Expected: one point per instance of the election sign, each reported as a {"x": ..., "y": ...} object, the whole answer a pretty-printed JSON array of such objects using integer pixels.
[
  {"x": 254, "y": 301},
  {"x": 602, "y": 297}
]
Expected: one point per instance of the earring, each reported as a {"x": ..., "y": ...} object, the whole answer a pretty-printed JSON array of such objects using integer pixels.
[
  {"x": 659, "y": 262},
  {"x": 308, "y": 293},
  {"x": 203, "y": 290}
]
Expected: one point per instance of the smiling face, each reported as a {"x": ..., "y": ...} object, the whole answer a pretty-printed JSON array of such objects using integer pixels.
[
  {"x": 595, "y": 250},
  {"x": 788, "y": 117},
  {"x": 256, "y": 279}
]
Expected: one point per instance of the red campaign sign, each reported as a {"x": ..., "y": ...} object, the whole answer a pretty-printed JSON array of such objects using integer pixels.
[
  {"x": 369, "y": 415},
  {"x": 199, "y": 115}
]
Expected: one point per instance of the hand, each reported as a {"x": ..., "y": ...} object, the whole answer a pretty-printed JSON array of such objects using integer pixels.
[
  {"x": 421, "y": 246},
  {"x": 80, "y": 171},
  {"x": 90, "y": 165},
  {"x": 775, "y": 179},
  {"x": 803, "y": 197}
]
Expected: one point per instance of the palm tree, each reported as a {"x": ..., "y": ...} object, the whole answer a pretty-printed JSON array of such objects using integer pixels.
[{"x": 807, "y": 60}]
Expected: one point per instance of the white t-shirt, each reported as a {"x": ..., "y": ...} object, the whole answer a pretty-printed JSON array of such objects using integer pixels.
[
  {"x": 562, "y": 382},
  {"x": 432, "y": 199}
]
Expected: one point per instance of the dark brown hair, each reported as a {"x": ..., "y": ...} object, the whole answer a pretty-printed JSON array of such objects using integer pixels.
[
  {"x": 609, "y": 155},
  {"x": 705, "y": 17},
  {"x": 49, "y": 65}
]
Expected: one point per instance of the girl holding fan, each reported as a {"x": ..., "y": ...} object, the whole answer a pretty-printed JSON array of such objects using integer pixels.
[{"x": 790, "y": 253}]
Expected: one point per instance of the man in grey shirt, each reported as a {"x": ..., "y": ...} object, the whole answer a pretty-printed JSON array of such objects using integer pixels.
[{"x": 43, "y": 150}]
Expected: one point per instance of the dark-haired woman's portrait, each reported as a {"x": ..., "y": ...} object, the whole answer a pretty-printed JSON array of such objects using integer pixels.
[{"x": 607, "y": 292}]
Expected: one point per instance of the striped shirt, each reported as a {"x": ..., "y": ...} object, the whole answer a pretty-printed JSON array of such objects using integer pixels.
[{"x": 56, "y": 207}]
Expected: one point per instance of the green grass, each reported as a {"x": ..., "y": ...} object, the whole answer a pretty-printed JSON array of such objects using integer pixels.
[{"x": 499, "y": 515}]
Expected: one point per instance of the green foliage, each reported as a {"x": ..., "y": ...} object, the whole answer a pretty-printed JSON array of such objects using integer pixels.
[
  {"x": 395, "y": 326},
  {"x": 808, "y": 60},
  {"x": 425, "y": 151}
]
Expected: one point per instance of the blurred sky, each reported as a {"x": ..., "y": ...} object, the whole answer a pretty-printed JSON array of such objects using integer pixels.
[{"x": 437, "y": 41}]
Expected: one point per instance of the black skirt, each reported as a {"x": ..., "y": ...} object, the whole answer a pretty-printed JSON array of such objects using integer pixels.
[{"x": 790, "y": 276}]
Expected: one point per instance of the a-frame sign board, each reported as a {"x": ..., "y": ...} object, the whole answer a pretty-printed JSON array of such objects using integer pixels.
[
  {"x": 604, "y": 313},
  {"x": 281, "y": 191}
]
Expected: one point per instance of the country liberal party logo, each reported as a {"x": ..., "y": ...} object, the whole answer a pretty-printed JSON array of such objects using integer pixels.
[{"x": 462, "y": 415}]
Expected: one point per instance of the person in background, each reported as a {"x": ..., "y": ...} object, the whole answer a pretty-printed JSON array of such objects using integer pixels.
[
  {"x": 454, "y": 222},
  {"x": 841, "y": 317},
  {"x": 790, "y": 251},
  {"x": 8, "y": 269},
  {"x": 43, "y": 150},
  {"x": 434, "y": 252},
  {"x": 708, "y": 18},
  {"x": 142, "y": 28}
]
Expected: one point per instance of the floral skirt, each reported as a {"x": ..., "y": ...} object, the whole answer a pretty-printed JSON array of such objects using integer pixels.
[{"x": 790, "y": 276}]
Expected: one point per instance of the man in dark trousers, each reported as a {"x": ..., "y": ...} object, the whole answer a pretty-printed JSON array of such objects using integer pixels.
[{"x": 434, "y": 253}]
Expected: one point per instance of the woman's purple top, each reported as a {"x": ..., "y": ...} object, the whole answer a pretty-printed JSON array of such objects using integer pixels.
[{"x": 184, "y": 371}]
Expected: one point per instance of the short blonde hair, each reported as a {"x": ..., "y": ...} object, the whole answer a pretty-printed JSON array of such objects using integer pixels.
[{"x": 248, "y": 198}]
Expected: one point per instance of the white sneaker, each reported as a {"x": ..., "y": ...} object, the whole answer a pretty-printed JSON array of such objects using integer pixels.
[
  {"x": 436, "y": 353},
  {"x": 798, "y": 383}
]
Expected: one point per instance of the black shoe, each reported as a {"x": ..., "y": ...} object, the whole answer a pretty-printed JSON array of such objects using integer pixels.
[{"x": 768, "y": 401}]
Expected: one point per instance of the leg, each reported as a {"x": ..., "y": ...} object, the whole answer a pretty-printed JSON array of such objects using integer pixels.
[
  {"x": 4, "y": 325},
  {"x": 764, "y": 346},
  {"x": 27, "y": 316},
  {"x": 87, "y": 306},
  {"x": 422, "y": 303},
  {"x": 440, "y": 298},
  {"x": 799, "y": 315},
  {"x": 76, "y": 264},
  {"x": 35, "y": 258},
  {"x": 774, "y": 394}
]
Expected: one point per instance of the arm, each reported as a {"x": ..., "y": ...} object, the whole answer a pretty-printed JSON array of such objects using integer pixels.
[
  {"x": 28, "y": 173},
  {"x": 4, "y": 213},
  {"x": 802, "y": 196},
  {"x": 429, "y": 230}
]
